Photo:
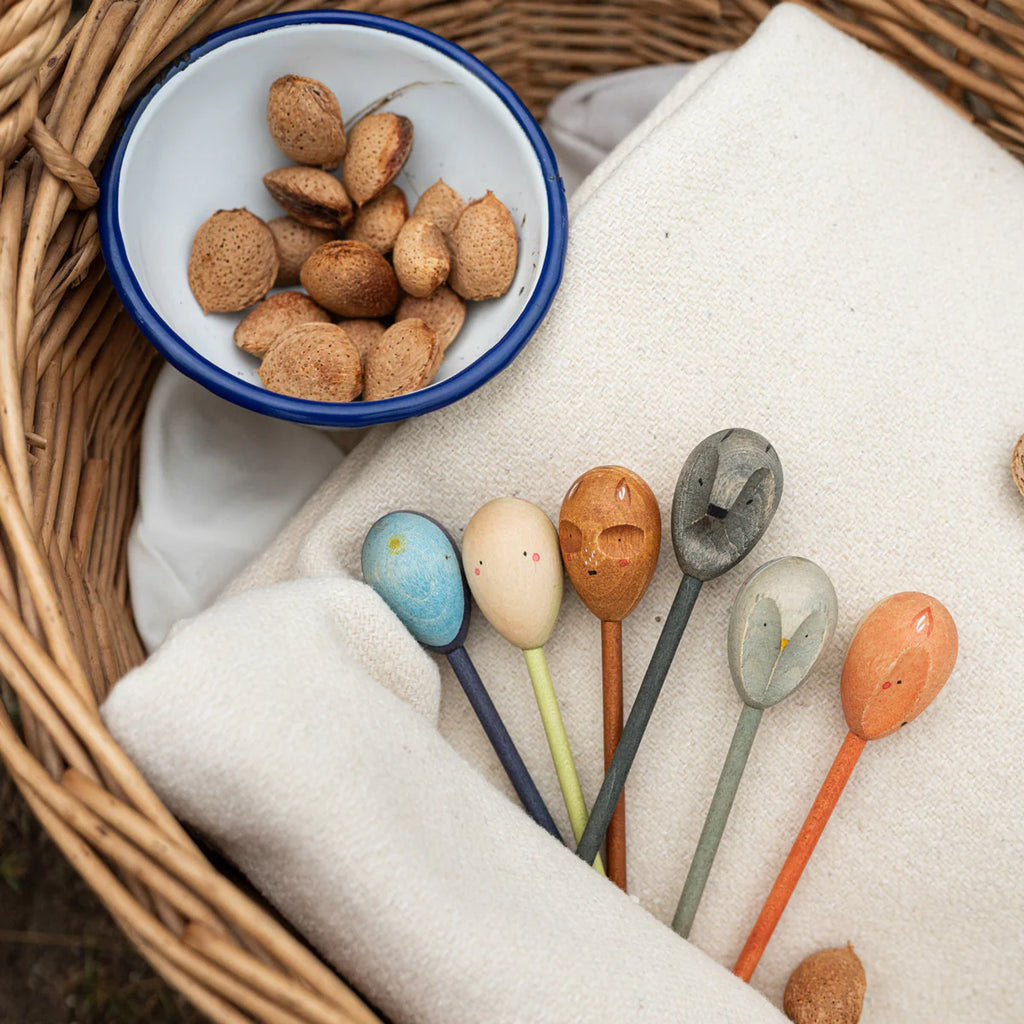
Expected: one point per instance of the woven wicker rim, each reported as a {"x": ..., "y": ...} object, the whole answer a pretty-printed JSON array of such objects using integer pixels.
[
  {"x": 75, "y": 376},
  {"x": 180, "y": 354}
]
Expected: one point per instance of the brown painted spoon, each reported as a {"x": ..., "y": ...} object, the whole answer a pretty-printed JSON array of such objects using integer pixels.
[
  {"x": 609, "y": 530},
  {"x": 901, "y": 656}
]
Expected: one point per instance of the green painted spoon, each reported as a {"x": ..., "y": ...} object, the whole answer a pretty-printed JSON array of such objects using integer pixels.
[{"x": 782, "y": 620}]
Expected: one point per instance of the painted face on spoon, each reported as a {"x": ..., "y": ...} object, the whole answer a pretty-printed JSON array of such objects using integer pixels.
[
  {"x": 727, "y": 494},
  {"x": 514, "y": 569},
  {"x": 901, "y": 656},
  {"x": 609, "y": 530}
]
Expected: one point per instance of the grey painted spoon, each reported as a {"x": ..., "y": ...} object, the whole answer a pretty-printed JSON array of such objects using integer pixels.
[
  {"x": 727, "y": 492},
  {"x": 782, "y": 620}
]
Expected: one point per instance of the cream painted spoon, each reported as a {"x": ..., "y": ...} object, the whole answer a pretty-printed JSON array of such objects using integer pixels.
[{"x": 514, "y": 568}]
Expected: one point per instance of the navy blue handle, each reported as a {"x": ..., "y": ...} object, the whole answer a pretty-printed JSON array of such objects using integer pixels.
[{"x": 509, "y": 757}]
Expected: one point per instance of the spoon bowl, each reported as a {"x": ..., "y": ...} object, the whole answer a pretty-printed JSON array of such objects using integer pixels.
[
  {"x": 413, "y": 563},
  {"x": 899, "y": 660},
  {"x": 609, "y": 530},
  {"x": 726, "y": 495},
  {"x": 782, "y": 620},
  {"x": 514, "y": 568}
]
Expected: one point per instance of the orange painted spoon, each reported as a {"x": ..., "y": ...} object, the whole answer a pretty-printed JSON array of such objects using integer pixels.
[
  {"x": 901, "y": 656},
  {"x": 609, "y": 530}
]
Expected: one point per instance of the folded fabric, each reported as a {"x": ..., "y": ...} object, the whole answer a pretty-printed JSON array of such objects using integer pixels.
[
  {"x": 586, "y": 121},
  {"x": 217, "y": 484},
  {"x": 439, "y": 898},
  {"x": 803, "y": 241}
]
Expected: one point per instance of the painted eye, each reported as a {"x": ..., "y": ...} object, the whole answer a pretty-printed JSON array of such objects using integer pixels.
[
  {"x": 621, "y": 541},
  {"x": 570, "y": 537}
]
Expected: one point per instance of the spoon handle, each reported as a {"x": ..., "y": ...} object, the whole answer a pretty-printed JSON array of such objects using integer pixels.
[
  {"x": 718, "y": 815},
  {"x": 481, "y": 702},
  {"x": 558, "y": 741},
  {"x": 639, "y": 716},
  {"x": 611, "y": 684},
  {"x": 806, "y": 840}
]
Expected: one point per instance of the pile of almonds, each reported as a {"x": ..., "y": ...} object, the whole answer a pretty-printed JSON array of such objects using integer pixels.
[{"x": 385, "y": 291}]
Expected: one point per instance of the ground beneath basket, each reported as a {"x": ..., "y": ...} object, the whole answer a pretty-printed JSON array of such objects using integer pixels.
[{"x": 62, "y": 958}]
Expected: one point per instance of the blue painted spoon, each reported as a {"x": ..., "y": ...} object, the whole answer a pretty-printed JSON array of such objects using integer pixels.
[{"x": 414, "y": 564}]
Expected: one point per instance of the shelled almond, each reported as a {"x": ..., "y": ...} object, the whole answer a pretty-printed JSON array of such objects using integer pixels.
[
  {"x": 233, "y": 262},
  {"x": 315, "y": 361},
  {"x": 273, "y": 316},
  {"x": 305, "y": 121},
  {"x": 295, "y": 243},
  {"x": 398, "y": 282}
]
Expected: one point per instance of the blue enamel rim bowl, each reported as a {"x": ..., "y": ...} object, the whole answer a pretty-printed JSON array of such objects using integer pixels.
[{"x": 181, "y": 355}]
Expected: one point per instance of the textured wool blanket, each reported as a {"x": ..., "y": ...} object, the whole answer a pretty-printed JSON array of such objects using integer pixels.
[{"x": 801, "y": 240}]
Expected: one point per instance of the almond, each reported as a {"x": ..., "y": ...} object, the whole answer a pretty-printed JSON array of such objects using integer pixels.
[
  {"x": 485, "y": 249},
  {"x": 273, "y": 316},
  {"x": 378, "y": 146},
  {"x": 364, "y": 334},
  {"x": 233, "y": 262},
  {"x": 1018, "y": 464},
  {"x": 295, "y": 243},
  {"x": 406, "y": 358},
  {"x": 314, "y": 361},
  {"x": 350, "y": 279},
  {"x": 444, "y": 311},
  {"x": 379, "y": 221},
  {"x": 441, "y": 204},
  {"x": 421, "y": 257},
  {"x": 305, "y": 121},
  {"x": 310, "y": 195},
  {"x": 826, "y": 988}
]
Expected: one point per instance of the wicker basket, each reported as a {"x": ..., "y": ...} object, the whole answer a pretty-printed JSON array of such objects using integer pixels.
[{"x": 75, "y": 375}]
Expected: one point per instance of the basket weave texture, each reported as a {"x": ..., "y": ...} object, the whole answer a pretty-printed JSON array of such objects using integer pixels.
[{"x": 75, "y": 376}]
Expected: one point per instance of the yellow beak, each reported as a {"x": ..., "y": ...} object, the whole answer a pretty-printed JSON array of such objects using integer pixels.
[{"x": 782, "y": 644}]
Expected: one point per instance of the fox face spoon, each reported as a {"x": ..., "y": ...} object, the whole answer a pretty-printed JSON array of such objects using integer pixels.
[
  {"x": 900, "y": 658},
  {"x": 782, "y": 620},
  {"x": 727, "y": 494}
]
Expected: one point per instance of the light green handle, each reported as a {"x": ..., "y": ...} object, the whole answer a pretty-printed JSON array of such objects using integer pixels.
[
  {"x": 554, "y": 729},
  {"x": 718, "y": 815}
]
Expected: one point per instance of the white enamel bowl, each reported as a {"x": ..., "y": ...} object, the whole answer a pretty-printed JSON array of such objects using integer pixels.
[{"x": 198, "y": 142}]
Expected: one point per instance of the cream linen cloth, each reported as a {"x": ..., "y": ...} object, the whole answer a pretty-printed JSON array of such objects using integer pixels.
[{"x": 800, "y": 240}]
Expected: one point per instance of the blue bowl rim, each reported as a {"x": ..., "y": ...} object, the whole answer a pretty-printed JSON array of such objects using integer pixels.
[{"x": 335, "y": 414}]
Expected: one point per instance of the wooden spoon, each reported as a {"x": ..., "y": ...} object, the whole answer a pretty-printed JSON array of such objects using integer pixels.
[
  {"x": 609, "y": 530},
  {"x": 514, "y": 568},
  {"x": 782, "y": 620},
  {"x": 900, "y": 657},
  {"x": 414, "y": 564},
  {"x": 727, "y": 493}
]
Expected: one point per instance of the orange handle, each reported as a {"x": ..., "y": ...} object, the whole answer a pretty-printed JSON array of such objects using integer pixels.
[
  {"x": 611, "y": 679},
  {"x": 821, "y": 811}
]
